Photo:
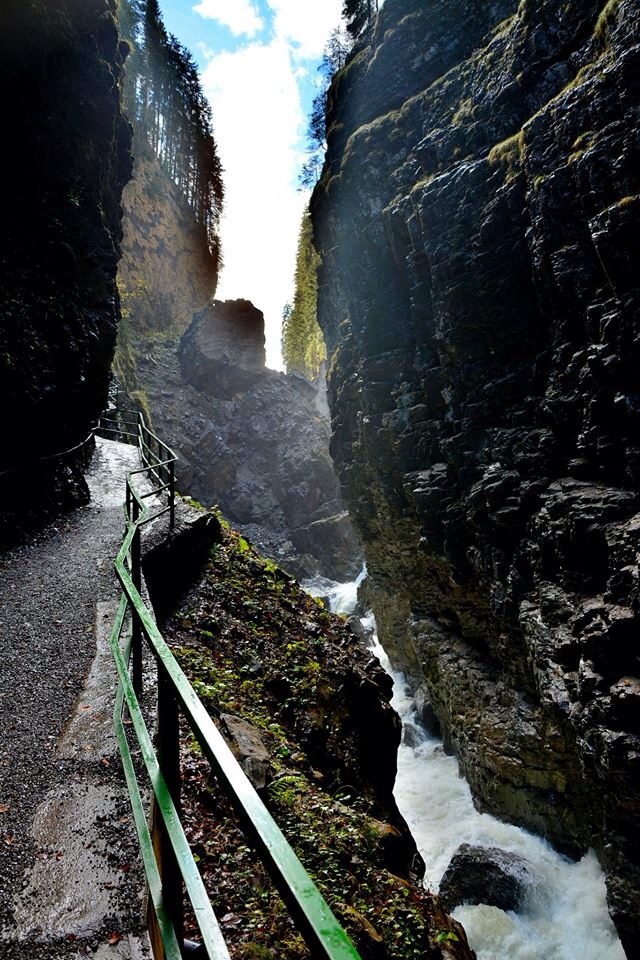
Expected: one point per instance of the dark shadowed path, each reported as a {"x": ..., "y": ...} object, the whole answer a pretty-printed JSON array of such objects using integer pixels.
[{"x": 70, "y": 881}]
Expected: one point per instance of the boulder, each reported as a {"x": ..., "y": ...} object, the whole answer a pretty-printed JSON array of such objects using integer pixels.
[
  {"x": 484, "y": 875},
  {"x": 248, "y": 747},
  {"x": 251, "y": 440}
]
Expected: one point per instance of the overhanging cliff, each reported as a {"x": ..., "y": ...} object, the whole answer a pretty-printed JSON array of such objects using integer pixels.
[{"x": 477, "y": 222}]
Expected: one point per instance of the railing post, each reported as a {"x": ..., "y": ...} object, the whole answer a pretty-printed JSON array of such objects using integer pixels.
[
  {"x": 141, "y": 439},
  {"x": 136, "y": 629},
  {"x": 172, "y": 495},
  {"x": 168, "y": 750}
]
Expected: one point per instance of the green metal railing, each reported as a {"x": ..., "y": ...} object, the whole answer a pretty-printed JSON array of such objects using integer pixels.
[{"x": 167, "y": 859}]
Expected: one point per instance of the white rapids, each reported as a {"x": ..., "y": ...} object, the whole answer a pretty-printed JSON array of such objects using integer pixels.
[{"x": 564, "y": 915}]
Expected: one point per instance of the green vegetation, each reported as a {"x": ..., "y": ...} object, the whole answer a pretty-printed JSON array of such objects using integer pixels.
[
  {"x": 508, "y": 153},
  {"x": 164, "y": 100},
  {"x": 464, "y": 112},
  {"x": 359, "y": 16},
  {"x": 254, "y": 645},
  {"x": 334, "y": 58},
  {"x": 605, "y": 18},
  {"x": 303, "y": 348}
]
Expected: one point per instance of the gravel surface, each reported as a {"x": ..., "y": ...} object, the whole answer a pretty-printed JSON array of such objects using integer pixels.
[{"x": 49, "y": 589}]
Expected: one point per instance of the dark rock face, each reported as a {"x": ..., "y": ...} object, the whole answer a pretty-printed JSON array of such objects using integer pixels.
[
  {"x": 484, "y": 875},
  {"x": 64, "y": 170},
  {"x": 477, "y": 221},
  {"x": 251, "y": 440}
]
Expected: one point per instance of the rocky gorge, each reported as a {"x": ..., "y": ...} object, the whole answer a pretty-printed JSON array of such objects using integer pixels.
[
  {"x": 254, "y": 441},
  {"x": 476, "y": 219}
]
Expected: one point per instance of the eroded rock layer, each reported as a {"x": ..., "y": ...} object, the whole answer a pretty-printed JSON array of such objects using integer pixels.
[
  {"x": 66, "y": 160},
  {"x": 477, "y": 221}
]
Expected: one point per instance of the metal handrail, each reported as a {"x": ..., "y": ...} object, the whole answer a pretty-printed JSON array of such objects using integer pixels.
[{"x": 166, "y": 855}]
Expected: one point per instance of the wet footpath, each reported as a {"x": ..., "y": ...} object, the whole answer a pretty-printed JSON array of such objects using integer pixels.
[{"x": 70, "y": 879}]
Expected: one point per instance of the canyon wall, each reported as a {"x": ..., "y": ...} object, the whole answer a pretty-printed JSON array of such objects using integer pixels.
[
  {"x": 66, "y": 160},
  {"x": 477, "y": 220}
]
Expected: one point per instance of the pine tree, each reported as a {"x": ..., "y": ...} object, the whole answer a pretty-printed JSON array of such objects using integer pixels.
[
  {"x": 334, "y": 57},
  {"x": 359, "y": 16},
  {"x": 303, "y": 347},
  {"x": 165, "y": 102}
]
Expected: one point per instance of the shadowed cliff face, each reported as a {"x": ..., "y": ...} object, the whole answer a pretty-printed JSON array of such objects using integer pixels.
[
  {"x": 64, "y": 168},
  {"x": 477, "y": 221}
]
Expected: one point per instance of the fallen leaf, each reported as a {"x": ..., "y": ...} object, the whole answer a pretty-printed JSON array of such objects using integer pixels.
[
  {"x": 9, "y": 839},
  {"x": 114, "y": 938},
  {"x": 4, "y": 807}
]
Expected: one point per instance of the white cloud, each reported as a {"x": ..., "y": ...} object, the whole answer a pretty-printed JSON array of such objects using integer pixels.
[
  {"x": 240, "y": 16},
  {"x": 306, "y": 23},
  {"x": 259, "y": 125},
  {"x": 258, "y": 119}
]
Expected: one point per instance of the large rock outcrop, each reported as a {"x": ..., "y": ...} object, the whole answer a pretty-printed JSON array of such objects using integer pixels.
[
  {"x": 66, "y": 160},
  {"x": 252, "y": 440},
  {"x": 477, "y": 221}
]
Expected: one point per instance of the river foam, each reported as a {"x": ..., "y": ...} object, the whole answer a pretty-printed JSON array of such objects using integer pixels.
[{"x": 564, "y": 914}]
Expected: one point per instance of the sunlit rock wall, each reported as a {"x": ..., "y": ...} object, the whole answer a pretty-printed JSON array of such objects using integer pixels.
[
  {"x": 478, "y": 224},
  {"x": 65, "y": 161},
  {"x": 166, "y": 272}
]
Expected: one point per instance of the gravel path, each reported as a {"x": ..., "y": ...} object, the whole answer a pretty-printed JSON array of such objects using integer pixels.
[{"x": 49, "y": 595}]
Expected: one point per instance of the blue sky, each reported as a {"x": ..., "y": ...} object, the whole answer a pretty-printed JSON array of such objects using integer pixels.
[{"x": 258, "y": 61}]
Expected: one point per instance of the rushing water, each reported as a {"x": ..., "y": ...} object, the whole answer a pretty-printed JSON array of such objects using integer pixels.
[{"x": 564, "y": 913}]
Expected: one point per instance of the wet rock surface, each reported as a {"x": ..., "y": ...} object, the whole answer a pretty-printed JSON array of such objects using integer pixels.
[
  {"x": 250, "y": 440},
  {"x": 305, "y": 709},
  {"x": 476, "y": 221},
  {"x": 60, "y": 65},
  {"x": 70, "y": 878},
  {"x": 484, "y": 875}
]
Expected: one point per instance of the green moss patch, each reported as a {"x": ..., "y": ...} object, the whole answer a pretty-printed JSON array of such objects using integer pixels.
[{"x": 257, "y": 647}]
